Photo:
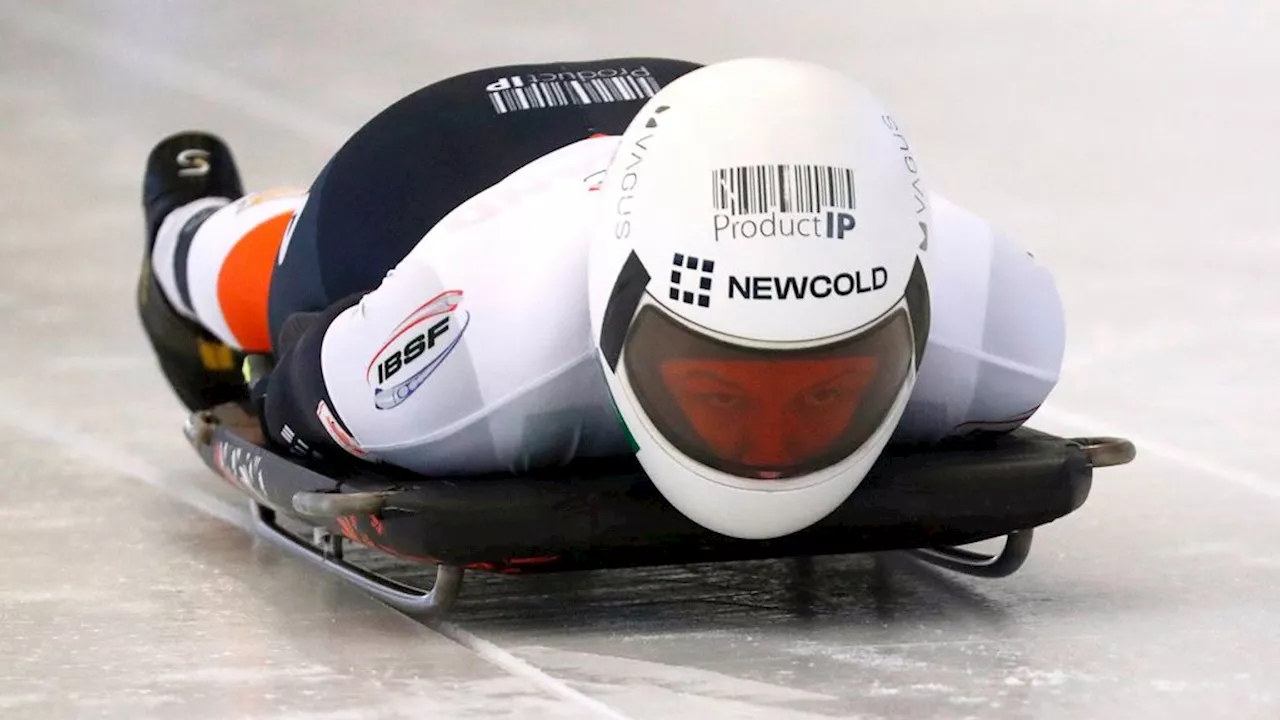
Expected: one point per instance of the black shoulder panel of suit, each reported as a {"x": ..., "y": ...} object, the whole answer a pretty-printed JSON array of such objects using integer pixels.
[{"x": 425, "y": 155}]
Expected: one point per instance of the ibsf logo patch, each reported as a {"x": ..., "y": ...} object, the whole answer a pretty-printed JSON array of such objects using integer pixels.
[{"x": 416, "y": 348}]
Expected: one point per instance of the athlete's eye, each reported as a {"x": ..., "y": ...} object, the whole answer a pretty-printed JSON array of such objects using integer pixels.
[
  {"x": 823, "y": 396},
  {"x": 719, "y": 400}
]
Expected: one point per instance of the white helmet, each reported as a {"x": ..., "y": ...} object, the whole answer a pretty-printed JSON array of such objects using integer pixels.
[{"x": 756, "y": 291}]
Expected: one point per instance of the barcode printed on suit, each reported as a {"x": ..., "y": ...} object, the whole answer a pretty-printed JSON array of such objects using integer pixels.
[
  {"x": 560, "y": 93},
  {"x": 758, "y": 189}
]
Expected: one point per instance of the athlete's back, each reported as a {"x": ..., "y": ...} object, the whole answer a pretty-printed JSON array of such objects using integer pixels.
[{"x": 424, "y": 155}]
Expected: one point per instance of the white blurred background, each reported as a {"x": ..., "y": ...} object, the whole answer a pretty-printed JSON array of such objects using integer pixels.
[{"x": 1131, "y": 146}]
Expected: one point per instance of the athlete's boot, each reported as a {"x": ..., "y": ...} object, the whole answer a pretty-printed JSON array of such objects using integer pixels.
[{"x": 202, "y": 370}]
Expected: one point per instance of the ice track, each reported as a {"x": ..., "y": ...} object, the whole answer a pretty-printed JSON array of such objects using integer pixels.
[{"x": 1132, "y": 147}]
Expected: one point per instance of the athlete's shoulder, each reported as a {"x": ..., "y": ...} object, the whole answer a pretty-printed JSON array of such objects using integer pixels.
[
  {"x": 546, "y": 191},
  {"x": 952, "y": 219}
]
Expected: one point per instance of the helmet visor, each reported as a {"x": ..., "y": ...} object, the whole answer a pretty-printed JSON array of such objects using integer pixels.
[{"x": 766, "y": 413}]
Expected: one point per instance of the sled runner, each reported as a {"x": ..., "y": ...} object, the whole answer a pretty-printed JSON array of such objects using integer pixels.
[{"x": 607, "y": 514}]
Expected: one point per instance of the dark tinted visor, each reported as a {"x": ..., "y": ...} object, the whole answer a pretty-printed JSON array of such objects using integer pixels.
[{"x": 766, "y": 413}]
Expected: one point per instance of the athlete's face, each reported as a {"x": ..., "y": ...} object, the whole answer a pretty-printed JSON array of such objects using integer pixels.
[{"x": 769, "y": 413}]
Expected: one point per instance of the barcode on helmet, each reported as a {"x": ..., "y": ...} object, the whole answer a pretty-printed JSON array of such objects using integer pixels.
[
  {"x": 757, "y": 189},
  {"x": 560, "y": 93}
]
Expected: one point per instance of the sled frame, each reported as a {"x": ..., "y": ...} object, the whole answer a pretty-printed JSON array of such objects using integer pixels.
[
  {"x": 319, "y": 506},
  {"x": 1101, "y": 451}
]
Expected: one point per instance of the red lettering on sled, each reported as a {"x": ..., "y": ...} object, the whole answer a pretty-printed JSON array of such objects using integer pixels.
[{"x": 349, "y": 526}]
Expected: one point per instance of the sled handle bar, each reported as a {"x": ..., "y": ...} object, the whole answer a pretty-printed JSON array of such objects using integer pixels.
[{"x": 1107, "y": 451}]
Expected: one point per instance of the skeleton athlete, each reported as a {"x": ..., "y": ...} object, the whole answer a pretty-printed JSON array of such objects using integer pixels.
[{"x": 735, "y": 272}]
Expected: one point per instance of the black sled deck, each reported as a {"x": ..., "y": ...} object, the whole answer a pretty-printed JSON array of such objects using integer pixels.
[{"x": 607, "y": 514}]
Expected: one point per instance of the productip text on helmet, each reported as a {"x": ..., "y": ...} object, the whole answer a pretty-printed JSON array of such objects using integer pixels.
[{"x": 831, "y": 224}]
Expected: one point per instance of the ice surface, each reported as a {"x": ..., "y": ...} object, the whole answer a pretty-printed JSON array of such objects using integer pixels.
[{"x": 1131, "y": 146}]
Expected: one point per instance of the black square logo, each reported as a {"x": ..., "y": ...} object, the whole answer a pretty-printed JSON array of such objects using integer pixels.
[{"x": 691, "y": 280}]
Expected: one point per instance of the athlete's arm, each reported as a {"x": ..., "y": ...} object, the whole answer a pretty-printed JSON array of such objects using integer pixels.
[
  {"x": 997, "y": 334},
  {"x": 293, "y": 400}
]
